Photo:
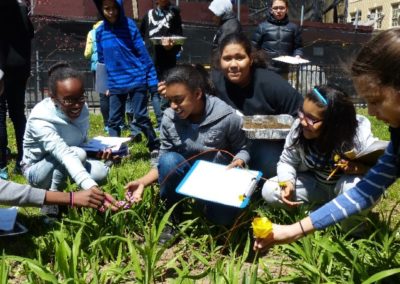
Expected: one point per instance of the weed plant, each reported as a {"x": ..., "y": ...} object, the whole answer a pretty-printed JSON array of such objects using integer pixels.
[{"x": 87, "y": 246}]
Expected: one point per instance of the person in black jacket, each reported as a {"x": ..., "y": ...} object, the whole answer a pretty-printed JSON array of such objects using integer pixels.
[
  {"x": 277, "y": 36},
  {"x": 163, "y": 21},
  {"x": 16, "y": 33},
  {"x": 241, "y": 80},
  {"x": 226, "y": 19}
]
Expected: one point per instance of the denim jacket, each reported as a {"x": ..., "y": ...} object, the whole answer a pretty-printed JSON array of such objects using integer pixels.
[
  {"x": 220, "y": 129},
  {"x": 50, "y": 132}
]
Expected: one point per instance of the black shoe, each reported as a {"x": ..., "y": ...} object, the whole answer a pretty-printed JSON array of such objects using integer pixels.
[
  {"x": 167, "y": 235},
  {"x": 136, "y": 138}
]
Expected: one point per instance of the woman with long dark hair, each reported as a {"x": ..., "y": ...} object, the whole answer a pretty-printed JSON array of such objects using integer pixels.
[{"x": 326, "y": 131}]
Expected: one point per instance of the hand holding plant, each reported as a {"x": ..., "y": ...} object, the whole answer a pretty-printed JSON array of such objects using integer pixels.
[
  {"x": 92, "y": 198},
  {"x": 134, "y": 191},
  {"x": 287, "y": 194}
]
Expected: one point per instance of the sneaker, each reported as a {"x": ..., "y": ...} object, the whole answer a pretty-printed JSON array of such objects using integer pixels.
[
  {"x": 4, "y": 173},
  {"x": 51, "y": 211},
  {"x": 167, "y": 235},
  {"x": 154, "y": 154},
  {"x": 136, "y": 138}
]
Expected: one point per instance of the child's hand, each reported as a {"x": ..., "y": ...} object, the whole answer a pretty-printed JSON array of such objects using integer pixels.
[
  {"x": 167, "y": 43},
  {"x": 134, "y": 191},
  {"x": 92, "y": 198},
  {"x": 236, "y": 163},
  {"x": 287, "y": 194},
  {"x": 353, "y": 168},
  {"x": 162, "y": 89}
]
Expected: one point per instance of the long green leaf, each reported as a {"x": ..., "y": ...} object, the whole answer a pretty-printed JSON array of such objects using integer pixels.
[{"x": 381, "y": 275}]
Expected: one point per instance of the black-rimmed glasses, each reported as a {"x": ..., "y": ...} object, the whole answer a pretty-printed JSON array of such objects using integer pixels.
[
  {"x": 310, "y": 121},
  {"x": 71, "y": 101}
]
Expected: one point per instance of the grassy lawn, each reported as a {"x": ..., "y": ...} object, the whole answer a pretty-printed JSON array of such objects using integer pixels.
[{"x": 91, "y": 247}]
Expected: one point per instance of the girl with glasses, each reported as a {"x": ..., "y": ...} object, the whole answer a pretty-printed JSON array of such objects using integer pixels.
[
  {"x": 277, "y": 36},
  {"x": 327, "y": 127},
  {"x": 56, "y": 127}
]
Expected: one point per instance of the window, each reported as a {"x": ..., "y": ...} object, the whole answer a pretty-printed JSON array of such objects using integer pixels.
[
  {"x": 376, "y": 15},
  {"x": 354, "y": 17},
  {"x": 396, "y": 15}
]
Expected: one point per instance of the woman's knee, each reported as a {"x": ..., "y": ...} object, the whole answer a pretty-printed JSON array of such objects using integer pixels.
[
  {"x": 346, "y": 182},
  {"x": 98, "y": 171},
  {"x": 80, "y": 153},
  {"x": 271, "y": 192},
  {"x": 171, "y": 161}
]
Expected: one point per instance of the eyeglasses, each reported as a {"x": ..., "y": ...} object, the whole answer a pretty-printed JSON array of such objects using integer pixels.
[
  {"x": 310, "y": 121},
  {"x": 71, "y": 101},
  {"x": 278, "y": 8}
]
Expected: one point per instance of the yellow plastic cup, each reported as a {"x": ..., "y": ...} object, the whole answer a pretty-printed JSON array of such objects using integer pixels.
[{"x": 262, "y": 227}]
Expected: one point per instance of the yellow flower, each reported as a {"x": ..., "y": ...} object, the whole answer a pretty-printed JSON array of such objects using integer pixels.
[
  {"x": 262, "y": 227},
  {"x": 336, "y": 158},
  {"x": 282, "y": 184}
]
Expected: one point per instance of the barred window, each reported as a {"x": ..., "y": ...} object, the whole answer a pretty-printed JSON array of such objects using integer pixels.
[
  {"x": 396, "y": 15},
  {"x": 377, "y": 15}
]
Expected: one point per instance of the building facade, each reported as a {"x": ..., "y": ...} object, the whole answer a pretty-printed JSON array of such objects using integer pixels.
[{"x": 381, "y": 14}]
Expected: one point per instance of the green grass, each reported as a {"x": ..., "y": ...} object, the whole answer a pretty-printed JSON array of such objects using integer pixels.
[{"x": 92, "y": 247}]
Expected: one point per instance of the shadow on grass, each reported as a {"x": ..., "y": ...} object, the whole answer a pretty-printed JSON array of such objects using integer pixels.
[{"x": 24, "y": 245}]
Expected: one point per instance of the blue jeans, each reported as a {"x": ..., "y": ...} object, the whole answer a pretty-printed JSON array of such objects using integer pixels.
[
  {"x": 138, "y": 100},
  {"x": 50, "y": 174},
  {"x": 264, "y": 155},
  {"x": 13, "y": 100},
  {"x": 156, "y": 101},
  {"x": 172, "y": 168}
]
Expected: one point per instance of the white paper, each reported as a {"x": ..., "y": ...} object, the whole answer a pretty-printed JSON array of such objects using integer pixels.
[
  {"x": 101, "y": 85},
  {"x": 291, "y": 60},
  {"x": 7, "y": 218},
  {"x": 214, "y": 182},
  {"x": 100, "y": 143}
]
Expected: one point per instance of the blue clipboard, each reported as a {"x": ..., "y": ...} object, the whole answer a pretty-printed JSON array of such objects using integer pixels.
[{"x": 213, "y": 182}]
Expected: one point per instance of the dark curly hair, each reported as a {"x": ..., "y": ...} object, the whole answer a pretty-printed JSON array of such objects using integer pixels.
[
  {"x": 339, "y": 122},
  {"x": 61, "y": 71}
]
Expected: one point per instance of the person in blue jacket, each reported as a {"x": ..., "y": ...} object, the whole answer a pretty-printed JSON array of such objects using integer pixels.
[
  {"x": 376, "y": 78},
  {"x": 129, "y": 68}
]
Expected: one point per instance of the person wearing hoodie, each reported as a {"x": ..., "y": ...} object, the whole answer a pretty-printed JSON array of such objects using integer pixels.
[
  {"x": 129, "y": 69},
  {"x": 196, "y": 126},
  {"x": 91, "y": 53},
  {"x": 226, "y": 20},
  {"x": 277, "y": 36},
  {"x": 15, "y": 194},
  {"x": 55, "y": 129}
]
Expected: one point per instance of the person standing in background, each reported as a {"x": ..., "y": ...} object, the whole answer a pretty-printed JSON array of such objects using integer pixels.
[
  {"x": 16, "y": 33},
  {"x": 277, "y": 36},
  {"x": 226, "y": 20},
  {"x": 91, "y": 53},
  {"x": 163, "y": 21},
  {"x": 130, "y": 70}
]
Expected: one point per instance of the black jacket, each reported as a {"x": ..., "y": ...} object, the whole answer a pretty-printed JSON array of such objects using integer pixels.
[
  {"x": 16, "y": 33},
  {"x": 163, "y": 22},
  {"x": 278, "y": 37},
  {"x": 229, "y": 25},
  {"x": 267, "y": 94}
]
